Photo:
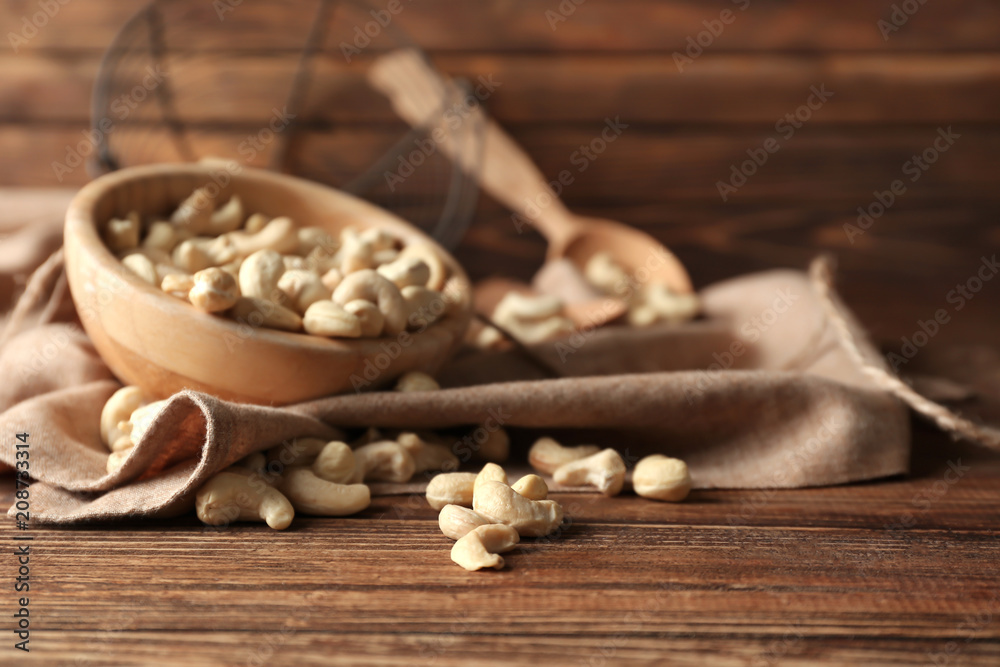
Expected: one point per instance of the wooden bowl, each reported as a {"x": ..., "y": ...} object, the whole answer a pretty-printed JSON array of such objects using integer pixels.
[{"x": 163, "y": 344}]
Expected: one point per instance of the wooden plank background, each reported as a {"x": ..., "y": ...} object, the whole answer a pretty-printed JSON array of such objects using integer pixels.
[{"x": 560, "y": 79}]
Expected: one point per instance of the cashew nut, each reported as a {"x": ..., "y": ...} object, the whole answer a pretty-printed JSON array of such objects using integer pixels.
[
  {"x": 427, "y": 455},
  {"x": 293, "y": 262},
  {"x": 354, "y": 254},
  {"x": 641, "y": 315},
  {"x": 177, "y": 284},
  {"x": 141, "y": 419},
  {"x": 194, "y": 215},
  {"x": 658, "y": 303},
  {"x": 117, "y": 409},
  {"x": 201, "y": 252},
  {"x": 163, "y": 236},
  {"x": 265, "y": 313},
  {"x": 387, "y": 256},
  {"x": 332, "y": 278},
  {"x": 531, "y": 518},
  {"x": 383, "y": 461},
  {"x": 214, "y": 290},
  {"x": 255, "y": 223},
  {"x": 117, "y": 458},
  {"x": 538, "y": 332},
  {"x": 456, "y": 521},
  {"x": 547, "y": 455},
  {"x": 142, "y": 266},
  {"x": 429, "y": 256},
  {"x": 517, "y": 306},
  {"x": 311, "y": 238},
  {"x": 531, "y": 487},
  {"x": 322, "y": 260},
  {"x": 604, "y": 470},
  {"x": 478, "y": 549},
  {"x": 228, "y": 218},
  {"x": 260, "y": 273},
  {"x": 123, "y": 233},
  {"x": 303, "y": 287},
  {"x": 335, "y": 463},
  {"x": 310, "y": 494},
  {"x": 423, "y": 306},
  {"x": 230, "y": 496},
  {"x": 326, "y": 318},
  {"x": 485, "y": 338},
  {"x": 278, "y": 235},
  {"x": 378, "y": 239},
  {"x": 661, "y": 478},
  {"x": 369, "y": 316},
  {"x": 451, "y": 488},
  {"x": 532, "y": 319},
  {"x": 370, "y": 286},
  {"x": 124, "y": 441},
  {"x": 406, "y": 271},
  {"x": 491, "y": 472},
  {"x": 416, "y": 381},
  {"x": 604, "y": 273}
]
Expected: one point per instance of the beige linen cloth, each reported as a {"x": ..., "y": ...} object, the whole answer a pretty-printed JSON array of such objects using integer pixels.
[{"x": 765, "y": 391}]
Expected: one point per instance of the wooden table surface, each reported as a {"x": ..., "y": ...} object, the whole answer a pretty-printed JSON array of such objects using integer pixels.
[
  {"x": 837, "y": 576},
  {"x": 900, "y": 571}
]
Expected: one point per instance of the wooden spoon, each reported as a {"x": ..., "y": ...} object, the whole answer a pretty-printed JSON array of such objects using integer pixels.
[{"x": 422, "y": 97}]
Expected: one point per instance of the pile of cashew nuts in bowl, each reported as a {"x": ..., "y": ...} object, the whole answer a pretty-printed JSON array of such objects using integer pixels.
[
  {"x": 278, "y": 275},
  {"x": 483, "y": 512}
]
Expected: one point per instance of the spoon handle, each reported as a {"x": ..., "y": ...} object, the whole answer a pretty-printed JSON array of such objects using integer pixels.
[{"x": 422, "y": 98}]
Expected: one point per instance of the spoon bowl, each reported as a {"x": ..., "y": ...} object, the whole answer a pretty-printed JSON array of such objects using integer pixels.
[{"x": 644, "y": 258}]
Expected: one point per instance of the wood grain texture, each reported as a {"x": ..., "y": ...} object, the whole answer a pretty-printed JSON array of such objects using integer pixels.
[
  {"x": 820, "y": 165},
  {"x": 596, "y": 25},
  {"x": 719, "y": 88},
  {"x": 792, "y": 577}
]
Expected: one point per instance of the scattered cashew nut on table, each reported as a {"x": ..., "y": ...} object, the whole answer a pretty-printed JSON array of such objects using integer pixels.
[
  {"x": 604, "y": 470},
  {"x": 661, "y": 478},
  {"x": 480, "y": 547},
  {"x": 230, "y": 496}
]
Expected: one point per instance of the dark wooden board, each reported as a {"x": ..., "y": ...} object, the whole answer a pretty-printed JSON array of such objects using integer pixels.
[
  {"x": 595, "y": 25},
  {"x": 810, "y": 576},
  {"x": 717, "y": 89}
]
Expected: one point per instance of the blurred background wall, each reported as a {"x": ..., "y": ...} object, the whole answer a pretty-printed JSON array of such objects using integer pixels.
[{"x": 702, "y": 86}]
